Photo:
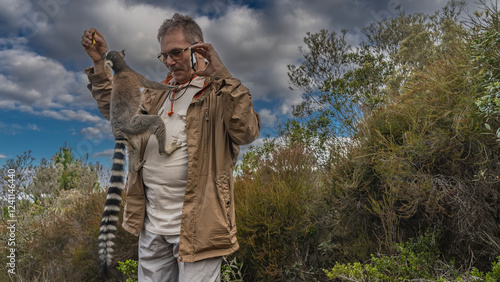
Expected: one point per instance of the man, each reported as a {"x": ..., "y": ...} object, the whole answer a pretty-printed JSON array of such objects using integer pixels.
[{"x": 182, "y": 205}]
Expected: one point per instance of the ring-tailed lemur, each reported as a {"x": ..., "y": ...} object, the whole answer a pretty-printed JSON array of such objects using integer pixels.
[{"x": 128, "y": 125}]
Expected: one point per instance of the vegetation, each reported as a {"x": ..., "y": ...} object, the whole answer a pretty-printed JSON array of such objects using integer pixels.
[
  {"x": 57, "y": 219},
  {"x": 231, "y": 270},
  {"x": 129, "y": 268},
  {"x": 277, "y": 215},
  {"x": 415, "y": 260},
  {"x": 407, "y": 152},
  {"x": 389, "y": 171}
]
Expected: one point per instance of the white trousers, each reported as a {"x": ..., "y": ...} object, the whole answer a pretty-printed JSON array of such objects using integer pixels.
[{"x": 158, "y": 262}]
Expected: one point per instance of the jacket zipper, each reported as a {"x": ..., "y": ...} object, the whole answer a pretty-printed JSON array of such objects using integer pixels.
[{"x": 229, "y": 205}]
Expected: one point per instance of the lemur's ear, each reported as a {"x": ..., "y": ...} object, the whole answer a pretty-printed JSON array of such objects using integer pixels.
[{"x": 122, "y": 53}]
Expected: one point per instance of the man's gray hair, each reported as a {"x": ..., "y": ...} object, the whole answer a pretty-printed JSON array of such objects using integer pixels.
[{"x": 192, "y": 31}]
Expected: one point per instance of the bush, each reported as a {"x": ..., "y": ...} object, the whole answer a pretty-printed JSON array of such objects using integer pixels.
[
  {"x": 60, "y": 244},
  {"x": 418, "y": 259},
  {"x": 277, "y": 215},
  {"x": 231, "y": 270},
  {"x": 426, "y": 160},
  {"x": 57, "y": 223},
  {"x": 129, "y": 268}
]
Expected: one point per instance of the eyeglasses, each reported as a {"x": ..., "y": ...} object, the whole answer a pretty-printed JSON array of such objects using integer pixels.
[{"x": 175, "y": 54}]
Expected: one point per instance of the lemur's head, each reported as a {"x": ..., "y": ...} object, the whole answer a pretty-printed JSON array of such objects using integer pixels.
[{"x": 112, "y": 57}]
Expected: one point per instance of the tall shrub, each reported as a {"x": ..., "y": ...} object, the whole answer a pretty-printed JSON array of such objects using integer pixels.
[{"x": 277, "y": 206}]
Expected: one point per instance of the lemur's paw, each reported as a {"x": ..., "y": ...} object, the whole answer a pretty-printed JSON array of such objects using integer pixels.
[{"x": 173, "y": 146}]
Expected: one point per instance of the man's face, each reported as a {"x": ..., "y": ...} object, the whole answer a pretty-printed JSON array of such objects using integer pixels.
[{"x": 180, "y": 68}]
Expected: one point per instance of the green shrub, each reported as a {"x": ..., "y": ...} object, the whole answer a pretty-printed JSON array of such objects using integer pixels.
[
  {"x": 425, "y": 161},
  {"x": 63, "y": 242},
  {"x": 231, "y": 270},
  {"x": 486, "y": 58},
  {"x": 57, "y": 228},
  {"x": 277, "y": 204},
  {"x": 129, "y": 268},
  {"x": 418, "y": 259}
]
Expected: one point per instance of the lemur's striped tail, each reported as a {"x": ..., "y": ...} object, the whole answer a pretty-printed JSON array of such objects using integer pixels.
[{"x": 112, "y": 206}]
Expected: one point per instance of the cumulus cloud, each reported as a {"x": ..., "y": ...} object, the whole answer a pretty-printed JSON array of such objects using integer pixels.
[
  {"x": 267, "y": 118},
  {"x": 108, "y": 153},
  {"x": 39, "y": 82},
  {"x": 32, "y": 127},
  {"x": 79, "y": 115},
  {"x": 16, "y": 128},
  {"x": 12, "y": 13},
  {"x": 101, "y": 130},
  {"x": 28, "y": 126},
  {"x": 43, "y": 87}
]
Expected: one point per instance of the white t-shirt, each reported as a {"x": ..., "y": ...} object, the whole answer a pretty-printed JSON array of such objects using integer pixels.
[{"x": 165, "y": 176}]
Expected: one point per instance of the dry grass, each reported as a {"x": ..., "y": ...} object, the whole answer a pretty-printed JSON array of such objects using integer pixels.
[{"x": 60, "y": 243}]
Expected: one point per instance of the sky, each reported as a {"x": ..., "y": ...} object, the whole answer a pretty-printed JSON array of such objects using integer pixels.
[{"x": 44, "y": 100}]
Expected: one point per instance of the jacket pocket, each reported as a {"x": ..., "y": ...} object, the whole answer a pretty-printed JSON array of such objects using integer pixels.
[
  {"x": 224, "y": 194},
  {"x": 212, "y": 229},
  {"x": 133, "y": 212}
]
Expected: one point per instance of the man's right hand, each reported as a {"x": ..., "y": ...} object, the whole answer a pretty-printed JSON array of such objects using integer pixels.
[{"x": 95, "y": 51}]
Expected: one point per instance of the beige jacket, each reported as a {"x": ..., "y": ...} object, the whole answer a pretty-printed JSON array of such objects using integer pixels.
[{"x": 218, "y": 120}]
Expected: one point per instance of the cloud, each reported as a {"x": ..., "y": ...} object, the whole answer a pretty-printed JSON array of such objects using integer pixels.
[
  {"x": 3, "y": 156},
  {"x": 32, "y": 127},
  {"x": 12, "y": 13},
  {"x": 39, "y": 82},
  {"x": 28, "y": 126},
  {"x": 254, "y": 52},
  {"x": 16, "y": 43},
  {"x": 79, "y": 115},
  {"x": 267, "y": 118},
  {"x": 16, "y": 128},
  {"x": 42, "y": 86},
  {"x": 100, "y": 131},
  {"x": 108, "y": 153}
]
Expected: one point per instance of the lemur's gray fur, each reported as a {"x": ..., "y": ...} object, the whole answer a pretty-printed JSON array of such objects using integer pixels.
[{"x": 128, "y": 125}]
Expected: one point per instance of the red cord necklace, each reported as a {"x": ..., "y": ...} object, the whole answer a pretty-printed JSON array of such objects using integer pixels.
[{"x": 173, "y": 99}]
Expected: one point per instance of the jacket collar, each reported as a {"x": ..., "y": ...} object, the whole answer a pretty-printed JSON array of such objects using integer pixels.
[{"x": 197, "y": 81}]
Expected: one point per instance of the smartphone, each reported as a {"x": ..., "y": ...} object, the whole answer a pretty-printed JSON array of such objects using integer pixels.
[{"x": 192, "y": 58}]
